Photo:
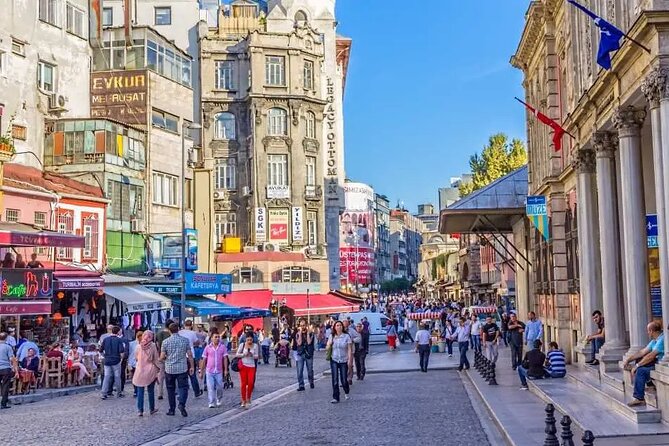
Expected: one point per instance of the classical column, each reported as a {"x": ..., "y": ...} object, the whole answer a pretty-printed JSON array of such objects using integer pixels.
[
  {"x": 605, "y": 144},
  {"x": 588, "y": 235},
  {"x": 628, "y": 121}
]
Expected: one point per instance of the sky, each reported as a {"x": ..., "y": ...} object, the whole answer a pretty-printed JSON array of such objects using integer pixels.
[{"x": 428, "y": 83}]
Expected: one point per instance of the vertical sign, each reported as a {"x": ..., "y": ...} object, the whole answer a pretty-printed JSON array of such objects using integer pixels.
[
  {"x": 191, "y": 249},
  {"x": 261, "y": 225},
  {"x": 538, "y": 214},
  {"x": 654, "y": 265},
  {"x": 331, "y": 171},
  {"x": 298, "y": 233},
  {"x": 651, "y": 230}
]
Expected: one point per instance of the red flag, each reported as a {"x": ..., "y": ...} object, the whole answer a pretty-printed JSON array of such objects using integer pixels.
[{"x": 558, "y": 131}]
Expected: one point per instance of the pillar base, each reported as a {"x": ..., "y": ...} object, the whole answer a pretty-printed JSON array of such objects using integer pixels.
[
  {"x": 583, "y": 352},
  {"x": 661, "y": 379},
  {"x": 610, "y": 357}
]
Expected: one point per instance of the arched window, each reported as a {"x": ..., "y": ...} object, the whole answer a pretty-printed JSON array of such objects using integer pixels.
[
  {"x": 311, "y": 125},
  {"x": 300, "y": 17},
  {"x": 278, "y": 122},
  {"x": 225, "y": 126}
]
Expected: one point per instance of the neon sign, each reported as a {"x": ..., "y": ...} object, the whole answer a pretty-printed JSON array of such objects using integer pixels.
[{"x": 26, "y": 284}]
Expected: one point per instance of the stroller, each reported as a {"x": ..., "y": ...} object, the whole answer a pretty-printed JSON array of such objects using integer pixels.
[{"x": 282, "y": 353}]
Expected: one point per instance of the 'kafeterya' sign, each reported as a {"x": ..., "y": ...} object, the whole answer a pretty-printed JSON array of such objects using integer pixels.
[{"x": 120, "y": 95}]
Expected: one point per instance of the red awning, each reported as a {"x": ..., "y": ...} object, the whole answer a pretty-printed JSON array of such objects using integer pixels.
[
  {"x": 248, "y": 298},
  {"x": 318, "y": 304},
  {"x": 19, "y": 234}
]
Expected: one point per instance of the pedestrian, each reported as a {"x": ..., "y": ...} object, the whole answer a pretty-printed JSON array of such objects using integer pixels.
[
  {"x": 491, "y": 334},
  {"x": 304, "y": 347},
  {"x": 11, "y": 340},
  {"x": 408, "y": 325},
  {"x": 533, "y": 329},
  {"x": 423, "y": 346},
  {"x": 113, "y": 351},
  {"x": 516, "y": 330},
  {"x": 341, "y": 347},
  {"x": 360, "y": 354},
  {"x": 504, "y": 322},
  {"x": 533, "y": 365},
  {"x": 276, "y": 334},
  {"x": 449, "y": 329},
  {"x": 8, "y": 370},
  {"x": 475, "y": 333},
  {"x": 124, "y": 359},
  {"x": 160, "y": 337},
  {"x": 188, "y": 333},
  {"x": 266, "y": 346},
  {"x": 461, "y": 336},
  {"x": 596, "y": 339},
  {"x": 248, "y": 353},
  {"x": 132, "y": 358},
  {"x": 147, "y": 368},
  {"x": 178, "y": 358},
  {"x": 646, "y": 358},
  {"x": 365, "y": 334},
  {"x": 391, "y": 335},
  {"x": 357, "y": 341},
  {"x": 214, "y": 363},
  {"x": 555, "y": 362}
]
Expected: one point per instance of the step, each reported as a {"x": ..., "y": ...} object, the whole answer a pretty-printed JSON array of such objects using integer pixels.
[
  {"x": 592, "y": 370},
  {"x": 617, "y": 400},
  {"x": 651, "y": 396},
  {"x": 613, "y": 379}
]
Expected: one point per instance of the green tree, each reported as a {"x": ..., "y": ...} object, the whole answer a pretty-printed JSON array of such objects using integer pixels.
[{"x": 497, "y": 159}]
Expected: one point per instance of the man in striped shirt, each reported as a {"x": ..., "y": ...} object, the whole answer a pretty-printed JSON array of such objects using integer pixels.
[{"x": 555, "y": 362}]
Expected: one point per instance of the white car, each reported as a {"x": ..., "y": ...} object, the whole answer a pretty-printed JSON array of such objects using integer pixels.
[{"x": 377, "y": 324}]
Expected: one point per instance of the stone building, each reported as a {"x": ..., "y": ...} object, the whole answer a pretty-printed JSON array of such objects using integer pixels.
[
  {"x": 406, "y": 237},
  {"x": 382, "y": 255},
  {"x": 604, "y": 183}
]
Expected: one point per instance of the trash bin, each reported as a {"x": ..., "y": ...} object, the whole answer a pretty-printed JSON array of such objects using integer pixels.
[{"x": 442, "y": 346}]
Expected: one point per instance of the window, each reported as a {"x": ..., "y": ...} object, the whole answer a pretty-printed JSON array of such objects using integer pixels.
[
  {"x": 164, "y": 120},
  {"x": 162, "y": 59},
  {"x": 277, "y": 170},
  {"x": 40, "y": 218},
  {"x": 312, "y": 228},
  {"x": 278, "y": 122},
  {"x": 188, "y": 193},
  {"x": 225, "y": 224},
  {"x": 225, "y": 126},
  {"x": 74, "y": 20},
  {"x": 224, "y": 74},
  {"x": 48, "y": 11},
  {"x": 226, "y": 174},
  {"x": 65, "y": 226},
  {"x": 295, "y": 274},
  {"x": 163, "y": 15},
  {"x": 300, "y": 17},
  {"x": 188, "y": 130},
  {"x": 19, "y": 132},
  {"x": 308, "y": 75},
  {"x": 3, "y": 62},
  {"x": 164, "y": 189},
  {"x": 90, "y": 238},
  {"x": 126, "y": 200},
  {"x": 46, "y": 74},
  {"x": 311, "y": 171},
  {"x": 311, "y": 125},
  {"x": 18, "y": 48},
  {"x": 107, "y": 17},
  {"x": 12, "y": 215},
  {"x": 274, "y": 70}
]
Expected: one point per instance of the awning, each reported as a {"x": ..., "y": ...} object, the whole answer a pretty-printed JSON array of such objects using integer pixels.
[
  {"x": 247, "y": 298},
  {"x": 317, "y": 304},
  {"x": 426, "y": 315},
  {"x": 137, "y": 298},
  {"x": 25, "y": 308},
  {"x": 20, "y": 234},
  {"x": 201, "y": 306}
]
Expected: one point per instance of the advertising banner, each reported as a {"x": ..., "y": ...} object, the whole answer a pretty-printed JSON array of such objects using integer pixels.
[
  {"x": 537, "y": 212},
  {"x": 654, "y": 265},
  {"x": 279, "y": 219},
  {"x": 26, "y": 284},
  {"x": 261, "y": 225},
  {"x": 120, "y": 95},
  {"x": 199, "y": 284},
  {"x": 298, "y": 233},
  {"x": 191, "y": 249},
  {"x": 356, "y": 236}
]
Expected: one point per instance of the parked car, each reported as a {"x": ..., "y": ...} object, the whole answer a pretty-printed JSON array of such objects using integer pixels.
[{"x": 377, "y": 324}]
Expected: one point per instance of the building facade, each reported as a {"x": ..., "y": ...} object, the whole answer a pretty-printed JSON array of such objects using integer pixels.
[
  {"x": 406, "y": 237},
  {"x": 382, "y": 257}
]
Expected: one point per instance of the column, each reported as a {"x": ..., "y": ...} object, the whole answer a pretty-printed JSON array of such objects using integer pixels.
[
  {"x": 654, "y": 88},
  {"x": 628, "y": 121},
  {"x": 588, "y": 234},
  {"x": 609, "y": 245}
]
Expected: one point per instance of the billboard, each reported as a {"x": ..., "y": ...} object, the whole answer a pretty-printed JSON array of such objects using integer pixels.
[
  {"x": 120, "y": 95},
  {"x": 356, "y": 235},
  {"x": 278, "y": 220}
]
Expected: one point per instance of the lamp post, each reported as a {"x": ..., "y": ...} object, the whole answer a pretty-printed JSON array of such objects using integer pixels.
[{"x": 182, "y": 301}]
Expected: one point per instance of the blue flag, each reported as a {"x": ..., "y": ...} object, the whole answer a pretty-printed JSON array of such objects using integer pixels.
[{"x": 609, "y": 37}]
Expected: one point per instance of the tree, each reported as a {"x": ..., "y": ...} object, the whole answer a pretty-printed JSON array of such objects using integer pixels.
[{"x": 497, "y": 159}]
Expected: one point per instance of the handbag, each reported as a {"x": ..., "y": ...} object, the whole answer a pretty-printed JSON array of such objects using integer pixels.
[
  {"x": 234, "y": 364},
  {"x": 328, "y": 349}
]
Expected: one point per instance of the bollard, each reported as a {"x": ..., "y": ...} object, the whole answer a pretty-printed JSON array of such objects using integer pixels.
[
  {"x": 486, "y": 370},
  {"x": 551, "y": 438},
  {"x": 588, "y": 438},
  {"x": 483, "y": 366},
  {"x": 477, "y": 361},
  {"x": 493, "y": 380},
  {"x": 567, "y": 434}
]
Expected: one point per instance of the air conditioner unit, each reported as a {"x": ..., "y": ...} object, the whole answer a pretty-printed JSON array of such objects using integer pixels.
[
  {"x": 136, "y": 225},
  {"x": 57, "y": 102},
  {"x": 246, "y": 191},
  {"x": 270, "y": 247},
  {"x": 218, "y": 195},
  {"x": 250, "y": 249}
]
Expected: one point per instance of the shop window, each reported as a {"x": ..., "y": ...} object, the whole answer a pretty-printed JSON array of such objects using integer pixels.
[
  {"x": 295, "y": 274},
  {"x": 247, "y": 275},
  {"x": 40, "y": 218}
]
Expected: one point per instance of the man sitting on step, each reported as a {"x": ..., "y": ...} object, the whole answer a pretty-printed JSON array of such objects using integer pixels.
[
  {"x": 646, "y": 360},
  {"x": 555, "y": 362},
  {"x": 596, "y": 339}
]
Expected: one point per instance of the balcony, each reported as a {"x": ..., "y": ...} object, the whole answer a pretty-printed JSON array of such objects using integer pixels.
[{"x": 313, "y": 193}]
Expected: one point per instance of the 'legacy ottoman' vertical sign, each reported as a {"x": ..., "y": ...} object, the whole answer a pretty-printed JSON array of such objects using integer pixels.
[{"x": 120, "y": 95}]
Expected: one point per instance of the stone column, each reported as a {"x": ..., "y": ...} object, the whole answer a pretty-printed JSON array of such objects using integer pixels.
[
  {"x": 605, "y": 144},
  {"x": 628, "y": 121},
  {"x": 588, "y": 236}
]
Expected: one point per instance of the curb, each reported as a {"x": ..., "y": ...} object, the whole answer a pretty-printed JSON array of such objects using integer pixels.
[
  {"x": 405, "y": 370},
  {"x": 55, "y": 393}
]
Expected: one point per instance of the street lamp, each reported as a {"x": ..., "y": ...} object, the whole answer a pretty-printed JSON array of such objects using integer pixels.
[{"x": 182, "y": 303}]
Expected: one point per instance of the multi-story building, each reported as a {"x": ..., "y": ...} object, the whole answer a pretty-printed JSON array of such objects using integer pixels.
[
  {"x": 451, "y": 194},
  {"x": 406, "y": 237},
  {"x": 382, "y": 256}
]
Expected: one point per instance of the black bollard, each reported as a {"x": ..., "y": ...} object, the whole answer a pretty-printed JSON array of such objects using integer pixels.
[
  {"x": 486, "y": 373},
  {"x": 551, "y": 438},
  {"x": 492, "y": 381},
  {"x": 567, "y": 434},
  {"x": 588, "y": 438},
  {"x": 483, "y": 366},
  {"x": 477, "y": 361}
]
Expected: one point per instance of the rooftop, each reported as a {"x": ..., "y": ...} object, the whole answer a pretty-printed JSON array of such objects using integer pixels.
[{"x": 30, "y": 178}]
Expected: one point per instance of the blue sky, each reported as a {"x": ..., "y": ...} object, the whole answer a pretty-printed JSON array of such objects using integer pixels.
[{"x": 428, "y": 83}]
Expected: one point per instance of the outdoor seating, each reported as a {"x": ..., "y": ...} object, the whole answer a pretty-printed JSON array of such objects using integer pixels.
[{"x": 54, "y": 376}]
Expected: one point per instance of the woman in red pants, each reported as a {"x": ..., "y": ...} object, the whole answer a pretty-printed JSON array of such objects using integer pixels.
[{"x": 248, "y": 352}]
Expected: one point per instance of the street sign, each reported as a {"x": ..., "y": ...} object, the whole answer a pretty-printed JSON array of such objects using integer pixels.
[{"x": 651, "y": 231}]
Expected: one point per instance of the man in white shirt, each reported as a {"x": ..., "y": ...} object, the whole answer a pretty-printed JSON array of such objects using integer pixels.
[
  {"x": 476, "y": 333},
  {"x": 423, "y": 346},
  {"x": 11, "y": 340},
  {"x": 188, "y": 333}
]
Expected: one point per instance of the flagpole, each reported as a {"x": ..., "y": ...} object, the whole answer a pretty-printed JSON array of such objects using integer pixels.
[
  {"x": 636, "y": 42},
  {"x": 529, "y": 106}
]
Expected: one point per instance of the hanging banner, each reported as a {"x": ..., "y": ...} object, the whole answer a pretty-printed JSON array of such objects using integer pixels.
[
  {"x": 261, "y": 225},
  {"x": 279, "y": 220},
  {"x": 654, "y": 265},
  {"x": 298, "y": 234},
  {"x": 537, "y": 212}
]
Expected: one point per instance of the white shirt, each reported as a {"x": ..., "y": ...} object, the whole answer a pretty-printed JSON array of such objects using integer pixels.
[
  {"x": 423, "y": 337},
  {"x": 476, "y": 328},
  {"x": 11, "y": 341},
  {"x": 191, "y": 336}
]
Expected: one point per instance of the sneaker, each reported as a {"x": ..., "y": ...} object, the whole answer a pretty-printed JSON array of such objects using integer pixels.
[
  {"x": 140, "y": 414},
  {"x": 212, "y": 406},
  {"x": 170, "y": 413},
  {"x": 103, "y": 397},
  {"x": 120, "y": 395},
  {"x": 242, "y": 405},
  {"x": 450, "y": 356},
  {"x": 182, "y": 409},
  {"x": 346, "y": 397},
  {"x": 334, "y": 401},
  {"x": 636, "y": 402},
  {"x": 219, "y": 403},
  {"x": 311, "y": 385},
  {"x": 524, "y": 388},
  {"x": 154, "y": 411},
  {"x": 300, "y": 389}
]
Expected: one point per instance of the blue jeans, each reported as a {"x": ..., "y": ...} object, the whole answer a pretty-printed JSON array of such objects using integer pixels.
[
  {"x": 112, "y": 372},
  {"x": 140, "y": 397},
  {"x": 522, "y": 374},
  {"x": 641, "y": 379},
  {"x": 464, "y": 362},
  {"x": 174, "y": 383},
  {"x": 214, "y": 386},
  {"x": 476, "y": 343},
  {"x": 595, "y": 345},
  {"x": 549, "y": 374},
  {"x": 265, "y": 354},
  {"x": 194, "y": 382},
  {"x": 339, "y": 372},
  {"x": 301, "y": 362}
]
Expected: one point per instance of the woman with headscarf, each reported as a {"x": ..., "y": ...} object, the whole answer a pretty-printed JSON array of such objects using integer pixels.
[{"x": 146, "y": 371}]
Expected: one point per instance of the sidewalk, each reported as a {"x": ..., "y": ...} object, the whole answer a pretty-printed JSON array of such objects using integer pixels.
[
  {"x": 47, "y": 394},
  {"x": 406, "y": 360}
]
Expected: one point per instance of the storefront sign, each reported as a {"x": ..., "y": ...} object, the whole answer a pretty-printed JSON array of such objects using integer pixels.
[
  {"x": 199, "y": 284},
  {"x": 278, "y": 191},
  {"x": 120, "y": 95},
  {"x": 261, "y": 225},
  {"x": 164, "y": 289},
  {"x": 330, "y": 115},
  {"x": 651, "y": 231},
  {"x": 7, "y": 308},
  {"x": 79, "y": 284},
  {"x": 656, "y": 301},
  {"x": 298, "y": 233},
  {"x": 158, "y": 305},
  {"x": 26, "y": 284},
  {"x": 278, "y": 226}
]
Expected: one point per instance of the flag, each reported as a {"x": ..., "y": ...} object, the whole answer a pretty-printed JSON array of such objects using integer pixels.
[
  {"x": 609, "y": 36},
  {"x": 558, "y": 131}
]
